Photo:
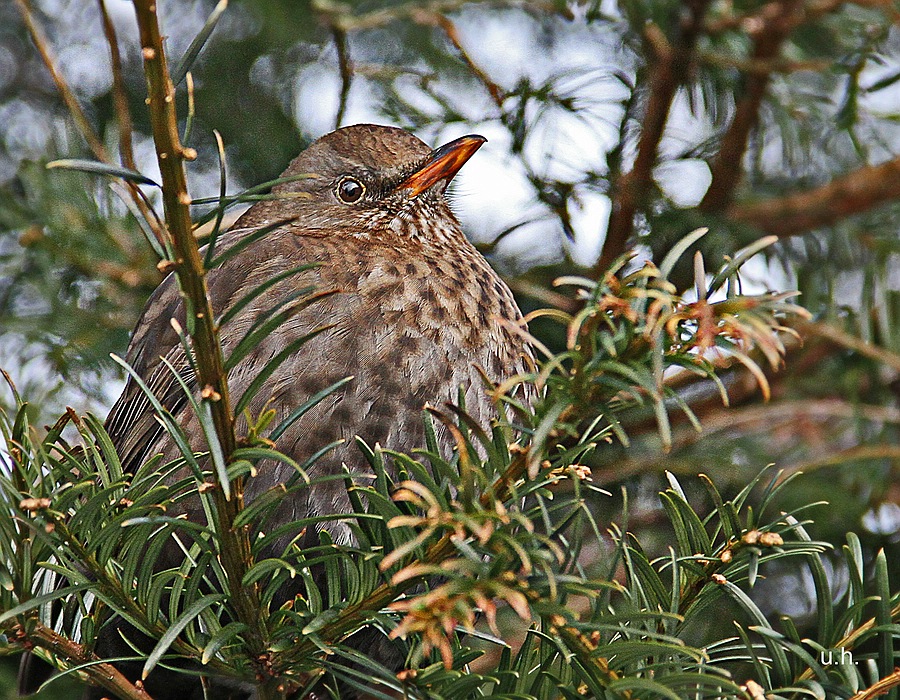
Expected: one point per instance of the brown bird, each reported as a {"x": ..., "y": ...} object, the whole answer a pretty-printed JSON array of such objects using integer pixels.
[{"x": 415, "y": 312}]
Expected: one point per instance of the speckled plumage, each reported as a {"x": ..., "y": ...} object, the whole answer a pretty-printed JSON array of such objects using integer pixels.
[{"x": 414, "y": 311}]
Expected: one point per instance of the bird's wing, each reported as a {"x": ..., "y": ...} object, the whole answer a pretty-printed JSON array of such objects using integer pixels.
[
  {"x": 156, "y": 349},
  {"x": 132, "y": 423}
]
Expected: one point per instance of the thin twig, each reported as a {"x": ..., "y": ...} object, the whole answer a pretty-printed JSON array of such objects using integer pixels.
[
  {"x": 81, "y": 121},
  {"x": 80, "y": 118},
  {"x": 812, "y": 10},
  {"x": 851, "y": 342},
  {"x": 850, "y": 641},
  {"x": 493, "y": 89},
  {"x": 795, "y": 415},
  {"x": 859, "y": 453},
  {"x": 771, "y": 26},
  {"x": 120, "y": 97},
  {"x": 338, "y": 14},
  {"x": 346, "y": 69},
  {"x": 124, "y": 124},
  {"x": 545, "y": 296},
  {"x": 777, "y": 64}
]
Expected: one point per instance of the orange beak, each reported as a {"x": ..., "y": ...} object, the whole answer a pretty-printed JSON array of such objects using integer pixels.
[{"x": 443, "y": 164}]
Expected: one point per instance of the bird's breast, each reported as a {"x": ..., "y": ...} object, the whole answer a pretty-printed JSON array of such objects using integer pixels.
[
  {"x": 410, "y": 323},
  {"x": 454, "y": 300}
]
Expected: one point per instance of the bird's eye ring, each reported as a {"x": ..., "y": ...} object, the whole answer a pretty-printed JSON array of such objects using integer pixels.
[{"x": 350, "y": 190}]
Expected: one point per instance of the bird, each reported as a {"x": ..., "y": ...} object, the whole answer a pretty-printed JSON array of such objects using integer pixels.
[{"x": 409, "y": 309}]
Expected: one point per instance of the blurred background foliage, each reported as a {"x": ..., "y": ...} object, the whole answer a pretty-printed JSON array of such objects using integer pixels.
[{"x": 610, "y": 125}]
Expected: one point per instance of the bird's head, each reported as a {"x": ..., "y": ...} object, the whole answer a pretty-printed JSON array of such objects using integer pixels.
[{"x": 365, "y": 179}]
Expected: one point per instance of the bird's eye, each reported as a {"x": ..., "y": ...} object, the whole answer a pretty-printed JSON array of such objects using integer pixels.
[{"x": 350, "y": 190}]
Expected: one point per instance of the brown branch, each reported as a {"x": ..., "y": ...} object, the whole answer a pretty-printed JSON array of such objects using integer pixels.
[
  {"x": 346, "y": 70},
  {"x": 80, "y": 118},
  {"x": 800, "y": 212},
  {"x": 761, "y": 419},
  {"x": 493, "y": 89},
  {"x": 705, "y": 404},
  {"x": 812, "y": 10},
  {"x": 849, "y": 641},
  {"x": 778, "y": 20},
  {"x": 71, "y": 101},
  {"x": 880, "y": 687},
  {"x": 234, "y": 549},
  {"x": 103, "y": 675},
  {"x": 124, "y": 123},
  {"x": 770, "y": 27},
  {"x": 339, "y": 14},
  {"x": 777, "y": 64},
  {"x": 666, "y": 74},
  {"x": 120, "y": 98},
  {"x": 851, "y": 342},
  {"x": 547, "y": 297},
  {"x": 859, "y": 453}
]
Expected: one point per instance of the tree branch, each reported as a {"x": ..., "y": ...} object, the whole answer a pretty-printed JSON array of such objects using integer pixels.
[
  {"x": 124, "y": 124},
  {"x": 450, "y": 30},
  {"x": 82, "y": 123},
  {"x": 851, "y": 342},
  {"x": 345, "y": 67},
  {"x": 776, "y": 64},
  {"x": 812, "y": 10},
  {"x": 879, "y": 688},
  {"x": 71, "y": 101},
  {"x": 801, "y": 212},
  {"x": 666, "y": 75},
  {"x": 104, "y": 675},
  {"x": 778, "y": 20},
  {"x": 120, "y": 97},
  {"x": 234, "y": 550},
  {"x": 340, "y": 14}
]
